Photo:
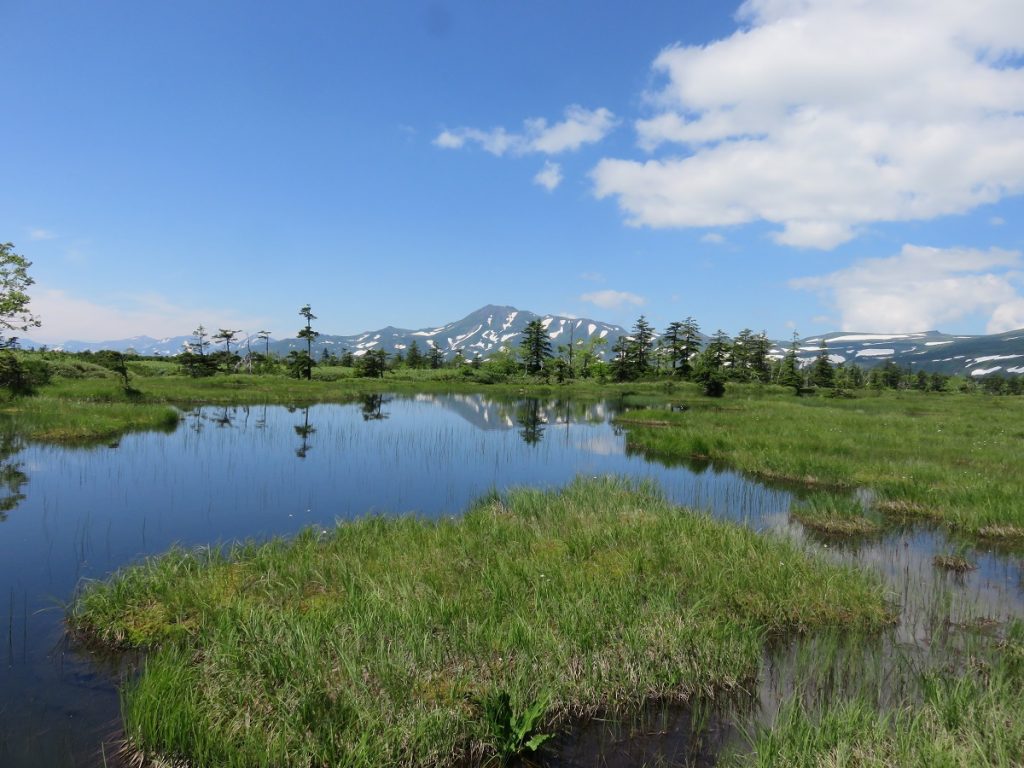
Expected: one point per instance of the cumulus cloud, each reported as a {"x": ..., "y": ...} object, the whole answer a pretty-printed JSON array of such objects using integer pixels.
[
  {"x": 610, "y": 299},
  {"x": 550, "y": 176},
  {"x": 822, "y": 116},
  {"x": 922, "y": 288},
  {"x": 580, "y": 126},
  {"x": 68, "y": 317}
]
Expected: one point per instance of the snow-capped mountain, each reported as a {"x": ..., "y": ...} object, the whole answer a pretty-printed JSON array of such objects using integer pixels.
[
  {"x": 488, "y": 329},
  {"x": 483, "y": 332},
  {"x": 1000, "y": 353}
]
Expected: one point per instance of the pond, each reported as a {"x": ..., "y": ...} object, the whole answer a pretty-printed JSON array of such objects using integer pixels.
[{"x": 253, "y": 472}]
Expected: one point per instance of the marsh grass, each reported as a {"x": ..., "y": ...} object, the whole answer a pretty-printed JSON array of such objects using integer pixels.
[
  {"x": 56, "y": 419},
  {"x": 834, "y": 515},
  {"x": 953, "y": 562},
  {"x": 381, "y": 642},
  {"x": 963, "y": 716},
  {"x": 951, "y": 458}
]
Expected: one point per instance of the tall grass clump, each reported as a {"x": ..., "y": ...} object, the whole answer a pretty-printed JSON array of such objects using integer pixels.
[
  {"x": 969, "y": 718},
  {"x": 833, "y": 515},
  {"x": 395, "y": 641}
]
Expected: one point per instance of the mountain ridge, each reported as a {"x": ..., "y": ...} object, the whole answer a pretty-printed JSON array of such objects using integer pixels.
[{"x": 485, "y": 330}]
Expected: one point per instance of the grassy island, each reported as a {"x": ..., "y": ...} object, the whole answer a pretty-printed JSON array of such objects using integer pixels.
[{"x": 414, "y": 642}]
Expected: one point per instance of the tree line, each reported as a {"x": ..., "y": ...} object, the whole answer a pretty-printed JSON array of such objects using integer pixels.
[{"x": 678, "y": 353}]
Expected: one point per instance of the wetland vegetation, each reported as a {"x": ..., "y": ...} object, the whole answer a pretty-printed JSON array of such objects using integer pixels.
[
  {"x": 382, "y": 642},
  {"x": 440, "y": 641}
]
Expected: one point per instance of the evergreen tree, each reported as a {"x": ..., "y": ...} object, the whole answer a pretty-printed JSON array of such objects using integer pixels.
[
  {"x": 200, "y": 341},
  {"x": 535, "y": 346},
  {"x": 761, "y": 347},
  {"x": 309, "y": 335},
  {"x": 789, "y": 373},
  {"x": 690, "y": 348},
  {"x": 672, "y": 343},
  {"x": 413, "y": 357},
  {"x": 641, "y": 343},
  {"x": 822, "y": 373},
  {"x": 620, "y": 365},
  {"x": 265, "y": 337},
  {"x": 300, "y": 364},
  {"x": 741, "y": 356},
  {"x": 225, "y": 336},
  {"x": 716, "y": 354},
  {"x": 373, "y": 364},
  {"x": 436, "y": 356}
]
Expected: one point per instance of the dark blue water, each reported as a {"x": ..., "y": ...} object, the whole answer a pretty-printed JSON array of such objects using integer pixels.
[{"x": 254, "y": 472}]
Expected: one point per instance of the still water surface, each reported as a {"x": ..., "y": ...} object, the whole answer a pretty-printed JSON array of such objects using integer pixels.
[{"x": 255, "y": 472}]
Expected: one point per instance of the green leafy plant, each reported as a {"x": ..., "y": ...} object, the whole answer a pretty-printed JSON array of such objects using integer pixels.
[{"x": 514, "y": 733}]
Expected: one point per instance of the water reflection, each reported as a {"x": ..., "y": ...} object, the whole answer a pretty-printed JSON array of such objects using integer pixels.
[
  {"x": 91, "y": 512},
  {"x": 12, "y": 474},
  {"x": 531, "y": 421},
  {"x": 373, "y": 407},
  {"x": 304, "y": 431}
]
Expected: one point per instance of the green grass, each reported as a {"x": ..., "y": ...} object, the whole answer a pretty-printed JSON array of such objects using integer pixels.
[
  {"x": 833, "y": 515},
  {"x": 388, "y": 641},
  {"x": 965, "y": 718},
  {"x": 58, "y": 419},
  {"x": 953, "y": 458}
]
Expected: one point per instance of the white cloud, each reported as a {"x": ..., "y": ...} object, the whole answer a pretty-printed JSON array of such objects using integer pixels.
[
  {"x": 67, "y": 317},
  {"x": 997, "y": 221},
  {"x": 825, "y": 115},
  {"x": 449, "y": 140},
  {"x": 713, "y": 238},
  {"x": 610, "y": 299},
  {"x": 580, "y": 126},
  {"x": 41, "y": 234},
  {"x": 923, "y": 288},
  {"x": 593, "y": 277},
  {"x": 550, "y": 176}
]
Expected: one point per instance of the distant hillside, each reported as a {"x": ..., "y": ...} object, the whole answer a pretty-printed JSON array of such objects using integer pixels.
[
  {"x": 482, "y": 332},
  {"x": 489, "y": 328},
  {"x": 1001, "y": 353}
]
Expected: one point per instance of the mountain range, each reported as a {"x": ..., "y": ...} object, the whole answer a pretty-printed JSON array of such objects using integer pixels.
[{"x": 489, "y": 328}]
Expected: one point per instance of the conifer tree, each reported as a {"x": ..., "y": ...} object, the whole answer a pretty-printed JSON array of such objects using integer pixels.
[
  {"x": 672, "y": 343},
  {"x": 789, "y": 374},
  {"x": 309, "y": 335},
  {"x": 822, "y": 373},
  {"x": 690, "y": 346},
  {"x": 642, "y": 340},
  {"x": 413, "y": 357},
  {"x": 535, "y": 346},
  {"x": 436, "y": 356}
]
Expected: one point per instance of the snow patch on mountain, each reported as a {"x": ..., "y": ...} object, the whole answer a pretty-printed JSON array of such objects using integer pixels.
[{"x": 876, "y": 352}]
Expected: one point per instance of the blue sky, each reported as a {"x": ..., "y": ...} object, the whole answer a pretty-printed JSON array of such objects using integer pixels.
[{"x": 780, "y": 164}]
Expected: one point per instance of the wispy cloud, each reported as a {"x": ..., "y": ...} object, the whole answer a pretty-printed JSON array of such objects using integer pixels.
[
  {"x": 66, "y": 316},
  {"x": 592, "y": 277},
  {"x": 41, "y": 234},
  {"x": 610, "y": 299},
  {"x": 922, "y": 288},
  {"x": 822, "y": 116},
  {"x": 580, "y": 126},
  {"x": 550, "y": 176},
  {"x": 713, "y": 238}
]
